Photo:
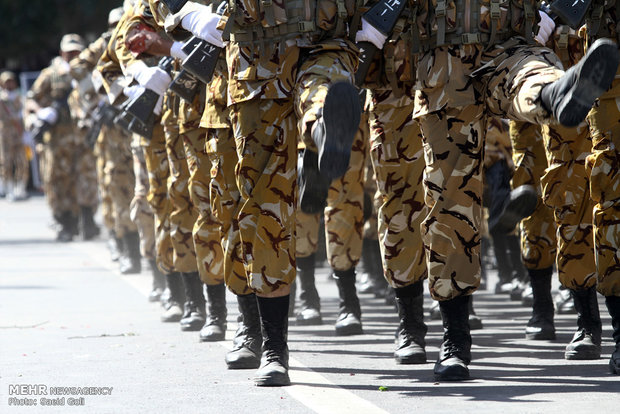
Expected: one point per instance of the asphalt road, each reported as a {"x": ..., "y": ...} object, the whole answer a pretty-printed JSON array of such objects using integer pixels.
[{"x": 69, "y": 319}]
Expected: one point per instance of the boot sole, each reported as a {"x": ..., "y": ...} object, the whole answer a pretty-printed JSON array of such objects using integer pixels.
[
  {"x": 594, "y": 78},
  {"x": 314, "y": 189},
  {"x": 212, "y": 338},
  {"x": 192, "y": 327},
  {"x": 342, "y": 113},
  {"x": 348, "y": 331},
  {"x": 520, "y": 206},
  {"x": 582, "y": 355},
  {"x": 309, "y": 322},
  {"x": 540, "y": 336},
  {"x": 243, "y": 364},
  {"x": 411, "y": 360},
  {"x": 460, "y": 374},
  {"x": 272, "y": 381}
]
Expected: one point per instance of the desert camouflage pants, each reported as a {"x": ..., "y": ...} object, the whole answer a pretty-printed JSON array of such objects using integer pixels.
[
  {"x": 566, "y": 189},
  {"x": 225, "y": 197},
  {"x": 139, "y": 209},
  {"x": 453, "y": 151},
  {"x": 207, "y": 229},
  {"x": 266, "y": 133},
  {"x": 398, "y": 162},
  {"x": 157, "y": 166},
  {"x": 604, "y": 168},
  {"x": 69, "y": 176},
  {"x": 118, "y": 177},
  {"x": 13, "y": 160},
  {"x": 183, "y": 215},
  {"x": 538, "y": 231},
  {"x": 343, "y": 214},
  {"x": 105, "y": 205}
]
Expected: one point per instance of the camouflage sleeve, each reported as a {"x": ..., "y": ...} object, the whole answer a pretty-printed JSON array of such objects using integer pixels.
[
  {"x": 41, "y": 89},
  {"x": 109, "y": 67},
  {"x": 141, "y": 19},
  {"x": 86, "y": 62}
]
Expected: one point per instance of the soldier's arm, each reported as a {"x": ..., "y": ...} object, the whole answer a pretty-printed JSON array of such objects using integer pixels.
[
  {"x": 39, "y": 93},
  {"x": 86, "y": 62}
]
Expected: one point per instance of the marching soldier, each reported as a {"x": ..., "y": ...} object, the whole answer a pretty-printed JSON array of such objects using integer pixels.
[
  {"x": 471, "y": 67},
  {"x": 13, "y": 162},
  {"x": 69, "y": 178}
]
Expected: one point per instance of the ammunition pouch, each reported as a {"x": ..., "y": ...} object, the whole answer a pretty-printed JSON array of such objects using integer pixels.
[
  {"x": 311, "y": 20},
  {"x": 486, "y": 22}
]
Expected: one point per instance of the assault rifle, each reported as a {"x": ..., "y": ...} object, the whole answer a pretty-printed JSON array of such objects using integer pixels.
[
  {"x": 571, "y": 12},
  {"x": 103, "y": 114},
  {"x": 143, "y": 105},
  {"x": 383, "y": 17},
  {"x": 201, "y": 55}
]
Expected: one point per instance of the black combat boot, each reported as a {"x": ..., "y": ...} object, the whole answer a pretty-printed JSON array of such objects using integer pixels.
[
  {"x": 215, "y": 327},
  {"x": 455, "y": 351},
  {"x": 159, "y": 282},
  {"x": 248, "y": 340},
  {"x": 475, "y": 322},
  {"x": 504, "y": 269},
  {"x": 114, "y": 246},
  {"x": 310, "y": 303},
  {"x": 613, "y": 305},
  {"x": 563, "y": 301},
  {"x": 194, "y": 314},
  {"x": 412, "y": 330},
  {"x": 540, "y": 326},
  {"x": 130, "y": 260},
  {"x": 313, "y": 186},
  {"x": 570, "y": 98},
  {"x": 373, "y": 269},
  {"x": 349, "y": 320},
  {"x": 334, "y": 130},
  {"x": 89, "y": 229},
  {"x": 273, "y": 370},
  {"x": 291, "y": 303},
  {"x": 66, "y": 219},
  {"x": 520, "y": 204},
  {"x": 174, "y": 297},
  {"x": 586, "y": 343}
]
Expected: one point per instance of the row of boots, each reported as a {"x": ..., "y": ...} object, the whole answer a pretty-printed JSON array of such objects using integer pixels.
[{"x": 72, "y": 225}]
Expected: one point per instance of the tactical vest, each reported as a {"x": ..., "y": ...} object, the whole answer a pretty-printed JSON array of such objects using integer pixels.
[
  {"x": 485, "y": 22},
  {"x": 394, "y": 55},
  {"x": 263, "y": 22},
  {"x": 602, "y": 20}
]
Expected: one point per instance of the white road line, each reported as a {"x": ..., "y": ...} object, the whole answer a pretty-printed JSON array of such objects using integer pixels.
[{"x": 317, "y": 392}]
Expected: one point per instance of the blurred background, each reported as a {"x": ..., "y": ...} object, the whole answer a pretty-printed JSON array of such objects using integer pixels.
[{"x": 30, "y": 30}]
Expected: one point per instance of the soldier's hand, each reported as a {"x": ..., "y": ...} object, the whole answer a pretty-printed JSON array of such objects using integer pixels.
[
  {"x": 48, "y": 114},
  {"x": 146, "y": 41},
  {"x": 369, "y": 33},
  {"x": 546, "y": 28},
  {"x": 154, "y": 78},
  {"x": 203, "y": 24}
]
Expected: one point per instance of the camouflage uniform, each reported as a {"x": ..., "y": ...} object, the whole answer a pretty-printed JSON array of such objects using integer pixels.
[
  {"x": 538, "y": 231},
  {"x": 114, "y": 162},
  {"x": 344, "y": 218},
  {"x": 397, "y": 159},
  {"x": 13, "y": 162},
  {"x": 69, "y": 178},
  {"x": 112, "y": 64},
  {"x": 464, "y": 74},
  {"x": 602, "y": 164},
  {"x": 139, "y": 210},
  {"x": 564, "y": 188}
]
